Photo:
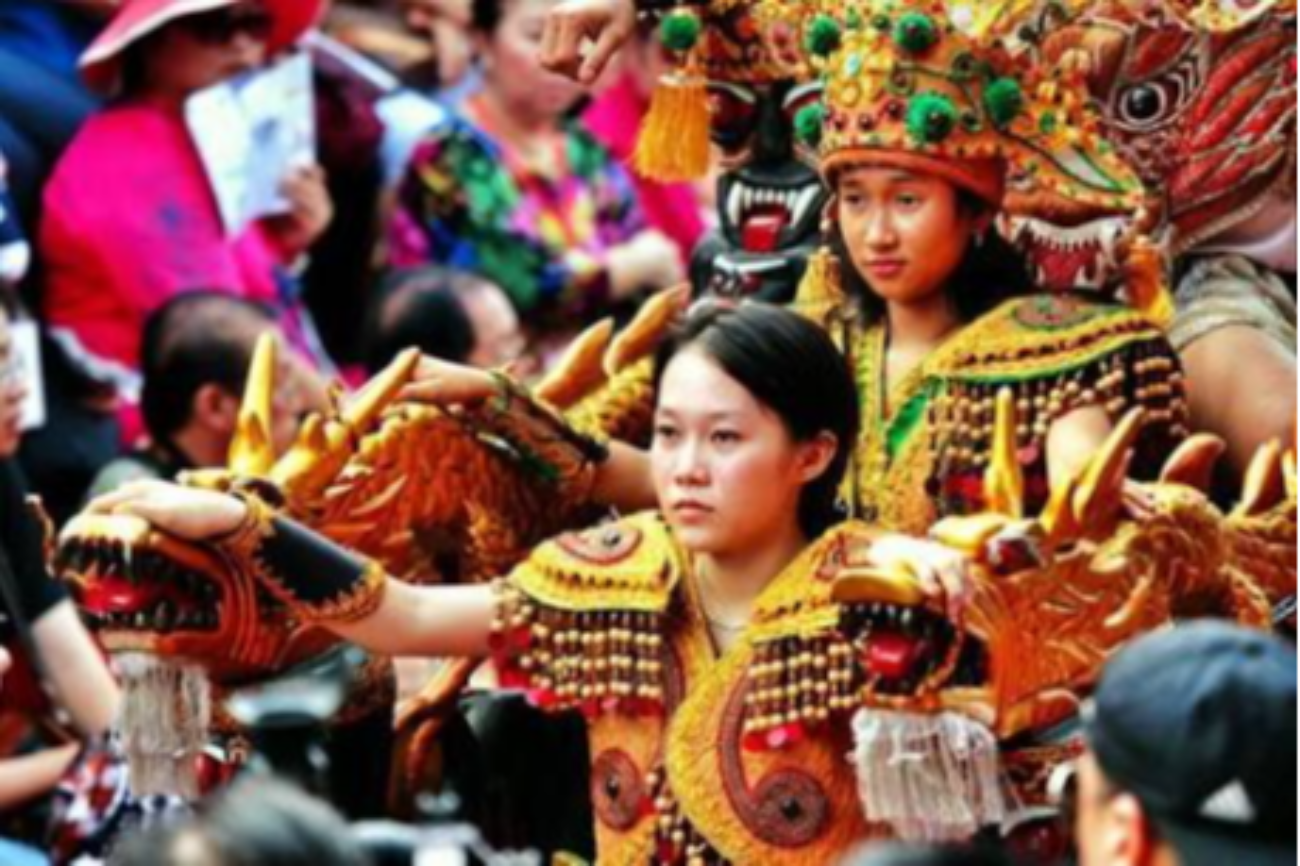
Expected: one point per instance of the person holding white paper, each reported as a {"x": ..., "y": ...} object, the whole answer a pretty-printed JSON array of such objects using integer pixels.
[{"x": 130, "y": 214}]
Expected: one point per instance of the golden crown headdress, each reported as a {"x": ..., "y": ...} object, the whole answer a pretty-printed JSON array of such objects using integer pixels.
[
  {"x": 949, "y": 81},
  {"x": 954, "y": 87}
]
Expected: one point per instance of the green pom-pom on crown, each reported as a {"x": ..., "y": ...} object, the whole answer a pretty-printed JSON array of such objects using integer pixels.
[
  {"x": 809, "y": 123},
  {"x": 1004, "y": 100},
  {"x": 679, "y": 31},
  {"x": 823, "y": 36},
  {"x": 931, "y": 117},
  {"x": 916, "y": 33}
]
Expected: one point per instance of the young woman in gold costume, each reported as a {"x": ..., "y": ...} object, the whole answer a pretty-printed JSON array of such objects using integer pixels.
[{"x": 654, "y": 624}]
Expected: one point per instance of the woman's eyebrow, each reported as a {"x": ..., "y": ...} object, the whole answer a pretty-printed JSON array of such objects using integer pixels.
[{"x": 718, "y": 415}]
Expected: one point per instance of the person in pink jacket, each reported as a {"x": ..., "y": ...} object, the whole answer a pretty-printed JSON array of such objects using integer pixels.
[{"x": 130, "y": 219}]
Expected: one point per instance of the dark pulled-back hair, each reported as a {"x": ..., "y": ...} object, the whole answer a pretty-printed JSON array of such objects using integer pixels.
[
  {"x": 988, "y": 274},
  {"x": 195, "y": 339},
  {"x": 792, "y": 367}
]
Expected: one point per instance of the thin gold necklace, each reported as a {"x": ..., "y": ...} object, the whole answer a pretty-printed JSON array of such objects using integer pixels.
[{"x": 709, "y": 616}]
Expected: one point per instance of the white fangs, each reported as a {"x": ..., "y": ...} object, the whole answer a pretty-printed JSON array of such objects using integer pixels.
[
  {"x": 743, "y": 199},
  {"x": 1102, "y": 236}
]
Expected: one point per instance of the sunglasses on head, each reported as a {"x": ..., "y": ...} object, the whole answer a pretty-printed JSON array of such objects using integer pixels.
[{"x": 221, "y": 26}]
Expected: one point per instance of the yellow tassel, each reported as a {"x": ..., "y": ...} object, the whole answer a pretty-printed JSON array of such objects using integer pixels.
[
  {"x": 1148, "y": 291},
  {"x": 673, "y": 144}
]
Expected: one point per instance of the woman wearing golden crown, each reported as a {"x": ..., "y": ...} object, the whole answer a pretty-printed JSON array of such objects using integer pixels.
[{"x": 924, "y": 115}]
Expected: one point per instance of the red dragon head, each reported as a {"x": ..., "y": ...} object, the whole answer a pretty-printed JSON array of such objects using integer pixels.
[
  {"x": 1200, "y": 98},
  {"x": 147, "y": 591}
]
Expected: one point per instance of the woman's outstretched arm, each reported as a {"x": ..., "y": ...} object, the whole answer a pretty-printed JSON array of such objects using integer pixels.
[
  {"x": 425, "y": 621},
  {"x": 326, "y": 584}
]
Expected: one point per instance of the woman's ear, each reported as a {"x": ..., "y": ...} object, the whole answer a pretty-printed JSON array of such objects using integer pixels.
[{"x": 816, "y": 456}]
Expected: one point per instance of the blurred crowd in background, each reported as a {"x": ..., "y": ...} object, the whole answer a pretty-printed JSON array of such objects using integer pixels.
[{"x": 463, "y": 200}]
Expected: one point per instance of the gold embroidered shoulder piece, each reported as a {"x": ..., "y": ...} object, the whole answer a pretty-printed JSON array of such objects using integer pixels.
[
  {"x": 804, "y": 668},
  {"x": 1042, "y": 335},
  {"x": 629, "y": 565},
  {"x": 1054, "y": 354},
  {"x": 581, "y": 622},
  {"x": 1057, "y": 353}
]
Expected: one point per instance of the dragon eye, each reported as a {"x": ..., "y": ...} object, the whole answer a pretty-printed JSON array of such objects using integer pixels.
[
  {"x": 734, "y": 114},
  {"x": 1157, "y": 101},
  {"x": 800, "y": 98},
  {"x": 1142, "y": 104}
]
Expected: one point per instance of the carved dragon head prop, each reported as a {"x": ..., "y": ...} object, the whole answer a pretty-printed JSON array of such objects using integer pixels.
[
  {"x": 147, "y": 591},
  {"x": 1054, "y": 596},
  {"x": 1199, "y": 96}
]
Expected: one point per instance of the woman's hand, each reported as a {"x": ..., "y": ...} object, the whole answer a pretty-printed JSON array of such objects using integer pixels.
[
  {"x": 310, "y": 211},
  {"x": 187, "y": 512},
  {"x": 942, "y": 572},
  {"x": 447, "y": 25},
  {"x": 607, "y": 24},
  {"x": 442, "y": 383}
]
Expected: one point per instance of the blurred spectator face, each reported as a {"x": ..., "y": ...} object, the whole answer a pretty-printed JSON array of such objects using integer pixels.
[
  {"x": 299, "y": 391},
  {"x": 198, "y": 349},
  {"x": 12, "y": 392},
  {"x": 511, "y": 68},
  {"x": 204, "y": 49},
  {"x": 498, "y": 339},
  {"x": 459, "y": 317}
]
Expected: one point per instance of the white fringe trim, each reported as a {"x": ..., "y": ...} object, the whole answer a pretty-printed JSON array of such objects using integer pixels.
[
  {"x": 932, "y": 778},
  {"x": 164, "y": 723}
]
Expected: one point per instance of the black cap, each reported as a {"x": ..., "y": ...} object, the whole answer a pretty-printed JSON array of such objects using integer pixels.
[{"x": 1199, "y": 723}]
